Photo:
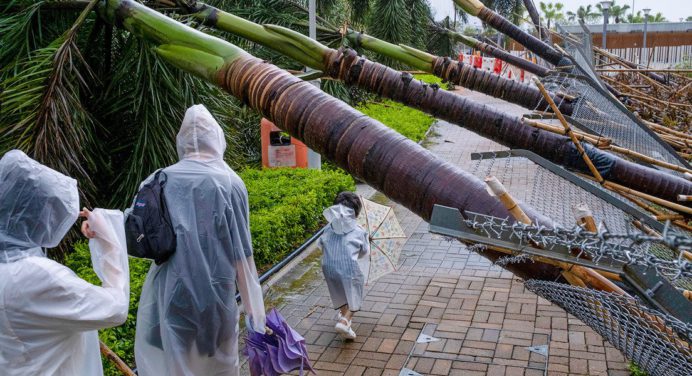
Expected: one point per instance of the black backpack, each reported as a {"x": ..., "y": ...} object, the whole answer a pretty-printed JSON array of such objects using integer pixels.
[{"x": 148, "y": 227}]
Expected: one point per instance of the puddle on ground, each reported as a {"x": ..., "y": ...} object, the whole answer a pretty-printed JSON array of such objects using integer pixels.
[
  {"x": 295, "y": 281},
  {"x": 379, "y": 198},
  {"x": 431, "y": 138}
]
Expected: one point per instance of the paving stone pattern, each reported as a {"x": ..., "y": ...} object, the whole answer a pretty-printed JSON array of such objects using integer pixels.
[{"x": 483, "y": 317}]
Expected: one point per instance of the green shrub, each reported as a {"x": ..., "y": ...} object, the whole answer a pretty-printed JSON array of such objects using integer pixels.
[
  {"x": 408, "y": 121},
  {"x": 635, "y": 370},
  {"x": 285, "y": 209}
]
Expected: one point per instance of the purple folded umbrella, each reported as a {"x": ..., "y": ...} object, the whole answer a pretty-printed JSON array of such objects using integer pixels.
[{"x": 280, "y": 352}]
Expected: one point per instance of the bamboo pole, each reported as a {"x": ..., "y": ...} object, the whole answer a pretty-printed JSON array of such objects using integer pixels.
[
  {"x": 580, "y": 275},
  {"x": 584, "y": 217},
  {"x": 652, "y": 232},
  {"x": 498, "y": 190},
  {"x": 640, "y": 94},
  {"x": 115, "y": 359},
  {"x": 647, "y": 159},
  {"x": 620, "y": 70},
  {"x": 600, "y": 142},
  {"x": 568, "y": 129},
  {"x": 635, "y": 199},
  {"x": 656, "y": 200},
  {"x": 661, "y": 101},
  {"x": 669, "y": 217}
]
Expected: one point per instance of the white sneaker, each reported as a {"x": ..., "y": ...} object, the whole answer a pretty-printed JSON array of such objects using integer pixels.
[{"x": 345, "y": 330}]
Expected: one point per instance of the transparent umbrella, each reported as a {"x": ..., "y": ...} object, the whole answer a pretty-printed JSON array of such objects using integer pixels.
[{"x": 386, "y": 239}]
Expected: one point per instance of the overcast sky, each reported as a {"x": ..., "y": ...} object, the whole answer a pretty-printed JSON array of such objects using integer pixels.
[{"x": 671, "y": 9}]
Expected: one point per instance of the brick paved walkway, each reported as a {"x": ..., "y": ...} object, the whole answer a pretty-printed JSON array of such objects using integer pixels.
[{"x": 483, "y": 319}]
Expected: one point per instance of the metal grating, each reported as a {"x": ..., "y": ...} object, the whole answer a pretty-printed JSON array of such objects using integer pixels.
[
  {"x": 546, "y": 187},
  {"x": 655, "y": 342}
]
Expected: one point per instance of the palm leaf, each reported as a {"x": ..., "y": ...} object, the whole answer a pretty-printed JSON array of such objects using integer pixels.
[{"x": 43, "y": 112}]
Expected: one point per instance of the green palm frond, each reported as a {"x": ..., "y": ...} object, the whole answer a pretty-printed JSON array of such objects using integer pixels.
[
  {"x": 359, "y": 10},
  {"x": 439, "y": 43},
  {"x": 43, "y": 112},
  {"x": 419, "y": 16},
  {"x": 18, "y": 32},
  {"x": 390, "y": 21},
  {"x": 144, "y": 105}
]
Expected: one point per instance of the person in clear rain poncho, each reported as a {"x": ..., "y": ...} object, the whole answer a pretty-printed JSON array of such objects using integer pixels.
[
  {"x": 48, "y": 316},
  {"x": 187, "y": 323},
  {"x": 345, "y": 248}
]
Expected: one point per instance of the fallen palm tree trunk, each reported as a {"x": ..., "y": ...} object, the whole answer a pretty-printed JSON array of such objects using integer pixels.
[
  {"x": 460, "y": 73},
  {"x": 498, "y": 53},
  {"x": 389, "y": 162},
  {"x": 457, "y": 73},
  {"x": 347, "y": 66},
  {"x": 501, "y": 24}
]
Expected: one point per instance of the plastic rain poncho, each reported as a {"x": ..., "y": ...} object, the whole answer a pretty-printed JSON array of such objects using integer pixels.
[
  {"x": 187, "y": 322},
  {"x": 345, "y": 248},
  {"x": 48, "y": 315}
]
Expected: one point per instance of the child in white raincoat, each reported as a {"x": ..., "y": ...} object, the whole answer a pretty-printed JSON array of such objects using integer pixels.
[
  {"x": 344, "y": 244},
  {"x": 48, "y": 316}
]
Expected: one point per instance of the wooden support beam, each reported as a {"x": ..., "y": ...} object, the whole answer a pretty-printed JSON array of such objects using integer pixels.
[
  {"x": 501, "y": 193},
  {"x": 115, "y": 359},
  {"x": 647, "y": 159},
  {"x": 568, "y": 129}
]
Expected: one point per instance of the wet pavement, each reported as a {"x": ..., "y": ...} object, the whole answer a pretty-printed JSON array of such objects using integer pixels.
[{"x": 447, "y": 310}]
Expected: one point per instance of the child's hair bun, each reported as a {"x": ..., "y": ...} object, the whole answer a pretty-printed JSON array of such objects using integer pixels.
[{"x": 349, "y": 200}]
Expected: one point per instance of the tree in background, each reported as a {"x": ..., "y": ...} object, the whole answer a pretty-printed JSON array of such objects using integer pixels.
[
  {"x": 583, "y": 14},
  {"x": 552, "y": 12},
  {"x": 616, "y": 12},
  {"x": 658, "y": 17}
]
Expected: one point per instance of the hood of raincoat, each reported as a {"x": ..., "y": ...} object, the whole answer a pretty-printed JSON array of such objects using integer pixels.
[
  {"x": 37, "y": 206},
  {"x": 341, "y": 218},
  {"x": 200, "y": 137}
]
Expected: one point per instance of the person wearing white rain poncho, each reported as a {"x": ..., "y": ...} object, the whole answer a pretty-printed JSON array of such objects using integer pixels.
[
  {"x": 187, "y": 323},
  {"x": 345, "y": 247},
  {"x": 48, "y": 316}
]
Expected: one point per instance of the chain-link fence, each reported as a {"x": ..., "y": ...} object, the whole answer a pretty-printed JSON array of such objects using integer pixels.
[
  {"x": 595, "y": 110},
  {"x": 657, "y": 343},
  {"x": 554, "y": 193}
]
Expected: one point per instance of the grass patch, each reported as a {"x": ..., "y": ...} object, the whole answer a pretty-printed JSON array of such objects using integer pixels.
[
  {"x": 408, "y": 121},
  {"x": 285, "y": 210},
  {"x": 430, "y": 79}
]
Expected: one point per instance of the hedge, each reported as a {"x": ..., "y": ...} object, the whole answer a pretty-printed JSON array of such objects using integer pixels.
[{"x": 285, "y": 209}]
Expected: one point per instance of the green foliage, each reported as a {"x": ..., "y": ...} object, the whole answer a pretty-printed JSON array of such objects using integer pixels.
[
  {"x": 509, "y": 9},
  {"x": 400, "y": 22},
  {"x": 429, "y": 79},
  {"x": 407, "y": 121},
  {"x": 552, "y": 12},
  {"x": 285, "y": 209},
  {"x": 635, "y": 370},
  {"x": 41, "y": 94}
]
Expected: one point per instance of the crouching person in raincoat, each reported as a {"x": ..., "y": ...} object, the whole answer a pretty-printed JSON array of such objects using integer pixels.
[
  {"x": 187, "y": 323},
  {"x": 48, "y": 316}
]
